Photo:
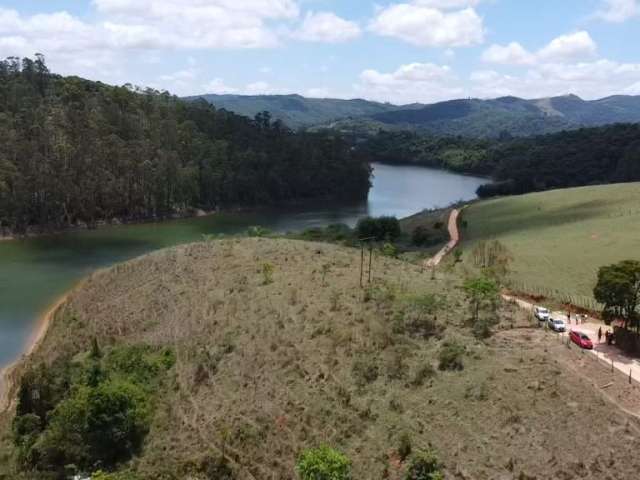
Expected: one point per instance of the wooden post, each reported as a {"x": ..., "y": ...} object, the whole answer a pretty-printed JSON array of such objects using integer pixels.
[
  {"x": 629, "y": 375},
  {"x": 370, "y": 260},
  {"x": 361, "y": 262}
]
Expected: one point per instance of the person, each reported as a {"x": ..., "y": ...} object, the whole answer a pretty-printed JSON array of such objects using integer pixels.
[
  {"x": 569, "y": 318},
  {"x": 599, "y": 334}
]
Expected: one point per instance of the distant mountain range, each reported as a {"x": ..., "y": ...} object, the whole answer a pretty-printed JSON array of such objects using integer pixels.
[{"x": 469, "y": 117}]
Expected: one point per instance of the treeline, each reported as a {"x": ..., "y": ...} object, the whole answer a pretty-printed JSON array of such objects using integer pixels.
[
  {"x": 75, "y": 151},
  {"x": 460, "y": 154},
  {"x": 588, "y": 156}
]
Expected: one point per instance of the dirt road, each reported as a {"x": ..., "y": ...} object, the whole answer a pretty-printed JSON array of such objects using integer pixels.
[
  {"x": 608, "y": 354},
  {"x": 454, "y": 236}
]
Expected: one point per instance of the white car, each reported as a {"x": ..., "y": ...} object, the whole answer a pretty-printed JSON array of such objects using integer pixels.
[
  {"x": 541, "y": 313},
  {"x": 557, "y": 325}
]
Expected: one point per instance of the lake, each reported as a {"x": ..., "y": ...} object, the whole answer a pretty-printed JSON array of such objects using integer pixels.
[{"x": 35, "y": 271}]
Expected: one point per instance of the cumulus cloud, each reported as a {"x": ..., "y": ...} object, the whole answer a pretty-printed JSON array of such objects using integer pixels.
[
  {"x": 423, "y": 82},
  {"x": 618, "y": 11},
  {"x": 428, "y": 23},
  {"x": 589, "y": 80},
  {"x": 327, "y": 27},
  {"x": 565, "y": 48}
]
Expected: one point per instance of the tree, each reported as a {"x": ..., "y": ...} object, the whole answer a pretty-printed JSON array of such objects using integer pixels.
[
  {"x": 618, "y": 288},
  {"x": 323, "y": 463},
  {"x": 481, "y": 291}
]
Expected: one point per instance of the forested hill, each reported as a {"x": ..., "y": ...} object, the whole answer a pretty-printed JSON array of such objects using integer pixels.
[
  {"x": 588, "y": 156},
  {"x": 297, "y": 111},
  {"x": 506, "y": 116},
  {"x": 75, "y": 151}
]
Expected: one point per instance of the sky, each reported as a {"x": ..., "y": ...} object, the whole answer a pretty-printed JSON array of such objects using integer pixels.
[{"x": 399, "y": 51}]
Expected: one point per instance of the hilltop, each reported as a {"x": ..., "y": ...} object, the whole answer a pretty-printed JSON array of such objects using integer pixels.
[
  {"x": 256, "y": 349},
  {"x": 467, "y": 117}
]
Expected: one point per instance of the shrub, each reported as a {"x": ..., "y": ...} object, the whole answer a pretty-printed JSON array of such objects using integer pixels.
[
  {"x": 389, "y": 250},
  {"x": 420, "y": 236},
  {"x": 424, "y": 466},
  {"x": 380, "y": 229},
  {"x": 404, "y": 446},
  {"x": 450, "y": 356},
  {"x": 364, "y": 371},
  {"x": 323, "y": 463},
  {"x": 422, "y": 374},
  {"x": 258, "y": 231},
  {"x": 267, "y": 273}
]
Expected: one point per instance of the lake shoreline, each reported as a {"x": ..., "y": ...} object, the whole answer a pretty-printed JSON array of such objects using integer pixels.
[{"x": 35, "y": 339}]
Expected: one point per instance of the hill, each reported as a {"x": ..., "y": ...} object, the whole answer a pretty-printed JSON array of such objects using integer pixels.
[
  {"x": 506, "y": 116},
  {"x": 558, "y": 239},
  {"x": 295, "y": 110},
  {"x": 201, "y": 351},
  {"x": 79, "y": 152},
  {"x": 514, "y": 116}
]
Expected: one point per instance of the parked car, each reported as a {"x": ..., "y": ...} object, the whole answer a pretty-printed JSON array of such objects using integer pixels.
[
  {"x": 541, "y": 313},
  {"x": 557, "y": 325},
  {"x": 581, "y": 339}
]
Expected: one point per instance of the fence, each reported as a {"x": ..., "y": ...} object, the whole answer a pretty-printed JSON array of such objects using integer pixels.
[{"x": 582, "y": 301}]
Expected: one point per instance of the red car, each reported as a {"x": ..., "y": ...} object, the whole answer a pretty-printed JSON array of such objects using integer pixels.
[{"x": 581, "y": 340}]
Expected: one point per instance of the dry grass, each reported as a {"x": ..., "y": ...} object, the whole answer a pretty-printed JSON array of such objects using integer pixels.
[{"x": 265, "y": 370}]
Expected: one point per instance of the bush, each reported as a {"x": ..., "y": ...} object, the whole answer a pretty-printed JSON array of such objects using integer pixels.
[
  {"x": 450, "y": 356},
  {"x": 389, "y": 250},
  {"x": 420, "y": 236},
  {"x": 422, "y": 374},
  {"x": 323, "y": 463},
  {"x": 364, "y": 371},
  {"x": 258, "y": 231},
  {"x": 424, "y": 466},
  {"x": 380, "y": 229},
  {"x": 404, "y": 447}
]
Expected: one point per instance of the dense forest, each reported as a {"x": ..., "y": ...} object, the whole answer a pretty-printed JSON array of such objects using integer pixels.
[
  {"x": 567, "y": 159},
  {"x": 467, "y": 155},
  {"x": 75, "y": 151}
]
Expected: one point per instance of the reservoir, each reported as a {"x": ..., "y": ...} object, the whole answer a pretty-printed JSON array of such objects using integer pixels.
[{"x": 35, "y": 271}]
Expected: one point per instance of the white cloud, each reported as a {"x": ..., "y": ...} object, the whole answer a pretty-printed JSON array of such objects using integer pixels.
[
  {"x": 589, "y": 80},
  {"x": 421, "y": 23},
  {"x": 574, "y": 46},
  {"x": 218, "y": 86},
  {"x": 618, "y": 11},
  {"x": 512, "y": 54},
  {"x": 565, "y": 48},
  {"x": 327, "y": 27},
  {"x": 424, "y": 82}
]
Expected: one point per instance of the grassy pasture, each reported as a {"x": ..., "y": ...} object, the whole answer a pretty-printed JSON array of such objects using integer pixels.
[{"x": 559, "y": 238}]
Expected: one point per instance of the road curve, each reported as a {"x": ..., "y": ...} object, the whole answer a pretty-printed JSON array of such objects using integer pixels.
[{"x": 454, "y": 235}]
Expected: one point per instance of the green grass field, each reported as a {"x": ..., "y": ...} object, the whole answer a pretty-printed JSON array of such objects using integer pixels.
[{"x": 558, "y": 239}]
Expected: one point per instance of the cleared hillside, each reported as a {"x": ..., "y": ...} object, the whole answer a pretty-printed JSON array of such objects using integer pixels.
[
  {"x": 560, "y": 238},
  {"x": 264, "y": 362}
]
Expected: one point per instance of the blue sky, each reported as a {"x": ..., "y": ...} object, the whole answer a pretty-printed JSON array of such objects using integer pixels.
[{"x": 399, "y": 51}]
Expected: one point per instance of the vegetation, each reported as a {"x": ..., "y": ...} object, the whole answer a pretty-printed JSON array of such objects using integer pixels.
[
  {"x": 618, "y": 289},
  {"x": 557, "y": 240},
  {"x": 568, "y": 159},
  {"x": 378, "y": 229},
  {"x": 88, "y": 412},
  {"x": 294, "y": 110},
  {"x": 261, "y": 372},
  {"x": 323, "y": 463},
  {"x": 452, "y": 153},
  {"x": 77, "y": 152},
  {"x": 424, "y": 466}
]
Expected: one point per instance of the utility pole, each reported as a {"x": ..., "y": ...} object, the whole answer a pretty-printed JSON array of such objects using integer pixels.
[{"x": 362, "y": 243}]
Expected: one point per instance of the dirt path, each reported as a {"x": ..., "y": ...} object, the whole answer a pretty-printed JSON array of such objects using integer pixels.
[
  {"x": 608, "y": 354},
  {"x": 454, "y": 236}
]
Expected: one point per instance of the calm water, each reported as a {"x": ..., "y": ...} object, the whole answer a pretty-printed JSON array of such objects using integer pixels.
[{"x": 34, "y": 272}]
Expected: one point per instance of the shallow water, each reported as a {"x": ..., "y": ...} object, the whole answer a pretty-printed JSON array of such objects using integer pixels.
[{"x": 34, "y": 272}]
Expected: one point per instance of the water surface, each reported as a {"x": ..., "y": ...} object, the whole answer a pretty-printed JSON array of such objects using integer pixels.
[{"x": 34, "y": 272}]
